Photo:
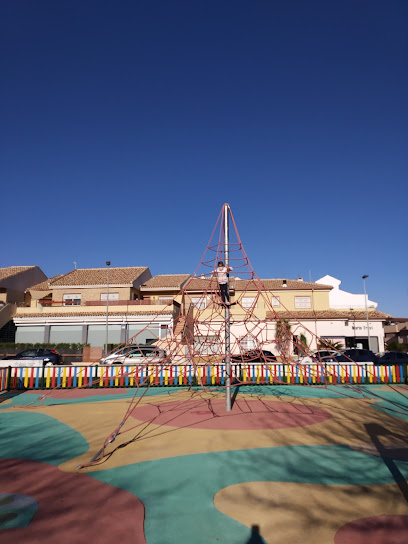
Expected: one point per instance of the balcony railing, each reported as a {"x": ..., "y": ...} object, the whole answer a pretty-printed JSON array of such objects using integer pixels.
[{"x": 145, "y": 302}]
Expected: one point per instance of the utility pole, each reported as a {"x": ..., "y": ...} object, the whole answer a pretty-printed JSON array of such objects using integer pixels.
[
  {"x": 107, "y": 306},
  {"x": 366, "y": 309},
  {"x": 227, "y": 314}
]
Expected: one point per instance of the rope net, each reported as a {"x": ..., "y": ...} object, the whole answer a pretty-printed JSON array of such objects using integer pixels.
[{"x": 247, "y": 315}]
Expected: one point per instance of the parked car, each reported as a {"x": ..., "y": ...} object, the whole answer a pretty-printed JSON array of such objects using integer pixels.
[
  {"x": 316, "y": 356},
  {"x": 134, "y": 355},
  {"x": 352, "y": 355},
  {"x": 34, "y": 357},
  {"x": 393, "y": 358},
  {"x": 254, "y": 356}
]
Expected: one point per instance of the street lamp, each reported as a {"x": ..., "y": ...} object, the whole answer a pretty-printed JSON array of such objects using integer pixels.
[
  {"x": 107, "y": 305},
  {"x": 366, "y": 308}
]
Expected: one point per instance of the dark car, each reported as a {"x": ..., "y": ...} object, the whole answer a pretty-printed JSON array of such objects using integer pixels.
[
  {"x": 35, "y": 357},
  {"x": 254, "y": 356},
  {"x": 352, "y": 355},
  {"x": 393, "y": 358}
]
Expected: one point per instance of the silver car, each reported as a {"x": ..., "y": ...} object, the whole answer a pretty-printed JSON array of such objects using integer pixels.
[{"x": 134, "y": 355}]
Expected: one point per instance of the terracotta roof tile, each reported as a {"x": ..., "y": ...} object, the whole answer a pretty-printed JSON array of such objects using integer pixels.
[
  {"x": 350, "y": 315},
  {"x": 97, "y": 313},
  {"x": 98, "y": 276},
  {"x": 9, "y": 271},
  {"x": 45, "y": 285},
  {"x": 278, "y": 285},
  {"x": 203, "y": 284},
  {"x": 171, "y": 281}
]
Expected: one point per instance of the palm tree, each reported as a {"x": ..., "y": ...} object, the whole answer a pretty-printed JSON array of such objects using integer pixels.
[
  {"x": 283, "y": 336},
  {"x": 301, "y": 345},
  {"x": 330, "y": 344}
]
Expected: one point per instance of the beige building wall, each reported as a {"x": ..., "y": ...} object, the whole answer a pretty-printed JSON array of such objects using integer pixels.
[
  {"x": 319, "y": 300},
  {"x": 90, "y": 293},
  {"x": 12, "y": 288}
]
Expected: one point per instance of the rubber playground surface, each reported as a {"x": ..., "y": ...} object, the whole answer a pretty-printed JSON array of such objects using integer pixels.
[{"x": 288, "y": 464}]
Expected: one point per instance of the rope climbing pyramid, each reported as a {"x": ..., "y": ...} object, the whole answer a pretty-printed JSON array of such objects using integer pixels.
[{"x": 225, "y": 316}]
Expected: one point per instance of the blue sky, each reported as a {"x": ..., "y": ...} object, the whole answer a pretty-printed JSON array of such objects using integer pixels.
[{"x": 127, "y": 125}]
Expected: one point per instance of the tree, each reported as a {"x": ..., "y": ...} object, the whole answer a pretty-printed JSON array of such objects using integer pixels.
[
  {"x": 303, "y": 342},
  {"x": 300, "y": 345},
  {"x": 283, "y": 336},
  {"x": 394, "y": 345},
  {"x": 330, "y": 344}
]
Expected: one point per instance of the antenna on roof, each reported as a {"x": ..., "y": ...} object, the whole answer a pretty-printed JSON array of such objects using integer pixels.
[{"x": 75, "y": 264}]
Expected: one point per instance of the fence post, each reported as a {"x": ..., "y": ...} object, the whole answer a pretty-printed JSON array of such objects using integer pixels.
[{"x": 8, "y": 379}]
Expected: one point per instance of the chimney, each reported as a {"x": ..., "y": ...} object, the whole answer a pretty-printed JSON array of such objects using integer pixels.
[
  {"x": 299, "y": 278},
  {"x": 284, "y": 283}
]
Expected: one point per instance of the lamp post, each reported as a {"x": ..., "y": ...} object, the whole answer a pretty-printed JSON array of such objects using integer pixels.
[
  {"x": 366, "y": 308},
  {"x": 227, "y": 315},
  {"x": 107, "y": 306}
]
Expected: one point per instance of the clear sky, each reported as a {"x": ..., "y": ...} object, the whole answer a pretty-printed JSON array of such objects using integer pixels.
[{"x": 127, "y": 125}]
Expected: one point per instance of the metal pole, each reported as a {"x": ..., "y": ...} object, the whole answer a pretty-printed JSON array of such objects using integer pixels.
[
  {"x": 366, "y": 308},
  {"x": 107, "y": 306},
  {"x": 227, "y": 315}
]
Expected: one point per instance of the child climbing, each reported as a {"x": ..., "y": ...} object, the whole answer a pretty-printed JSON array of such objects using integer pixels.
[{"x": 222, "y": 275}]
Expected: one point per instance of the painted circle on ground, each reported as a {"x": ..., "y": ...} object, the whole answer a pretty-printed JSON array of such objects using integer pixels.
[
  {"x": 244, "y": 415},
  {"x": 375, "y": 530},
  {"x": 71, "y": 507}
]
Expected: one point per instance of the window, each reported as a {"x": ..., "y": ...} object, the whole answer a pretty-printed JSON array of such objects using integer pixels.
[
  {"x": 112, "y": 296},
  {"x": 249, "y": 302},
  {"x": 71, "y": 300},
  {"x": 142, "y": 332},
  {"x": 247, "y": 343},
  {"x": 207, "y": 345},
  {"x": 302, "y": 302},
  {"x": 199, "y": 302},
  {"x": 32, "y": 334},
  {"x": 29, "y": 353},
  {"x": 65, "y": 333},
  {"x": 97, "y": 334},
  {"x": 275, "y": 301}
]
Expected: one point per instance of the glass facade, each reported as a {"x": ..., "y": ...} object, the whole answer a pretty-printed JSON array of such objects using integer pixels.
[
  {"x": 71, "y": 334},
  {"x": 144, "y": 334},
  {"x": 97, "y": 335},
  {"x": 31, "y": 335}
]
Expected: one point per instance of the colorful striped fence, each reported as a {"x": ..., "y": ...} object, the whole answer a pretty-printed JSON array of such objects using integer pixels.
[
  {"x": 4, "y": 372},
  {"x": 51, "y": 377}
]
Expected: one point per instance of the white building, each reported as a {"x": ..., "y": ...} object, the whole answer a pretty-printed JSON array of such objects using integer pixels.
[
  {"x": 339, "y": 299},
  {"x": 351, "y": 331}
]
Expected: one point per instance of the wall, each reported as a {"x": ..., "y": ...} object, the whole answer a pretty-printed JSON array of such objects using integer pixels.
[
  {"x": 91, "y": 293},
  {"x": 342, "y": 299},
  {"x": 16, "y": 285}
]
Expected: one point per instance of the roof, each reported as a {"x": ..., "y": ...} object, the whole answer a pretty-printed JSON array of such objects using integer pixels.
[
  {"x": 166, "y": 281},
  {"x": 129, "y": 312},
  {"x": 44, "y": 285},
  {"x": 203, "y": 284},
  {"x": 279, "y": 285},
  {"x": 10, "y": 271},
  {"x": 350, "y": 315},
  {"x": 98, "y": 276}
]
